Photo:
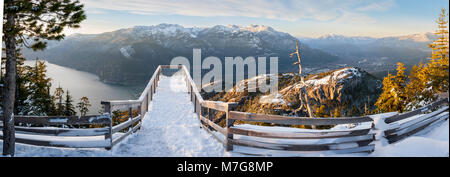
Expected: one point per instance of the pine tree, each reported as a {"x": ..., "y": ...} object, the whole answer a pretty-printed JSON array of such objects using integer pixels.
[
  {"x": 26, "y": 23},
  {"x": 438, "y": 67},
  {"x": 416, "y": 90},
  {"x": 58, "y": 99},
  {"x": 84, "y": 105},
  {"x": 427, "y": 80},
  {"x": 41, "y": 102},
  {"x": 320, "y": 112},
  {"x": 69, "y": 108},
  {"x": 337, "y": 113},
  {"x": 22, "y": 82},
  {"x": 393, "y": 97},
  {"x": 400, "y": 86}
]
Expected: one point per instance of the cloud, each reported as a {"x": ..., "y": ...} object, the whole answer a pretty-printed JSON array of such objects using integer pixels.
[
  {"x": 378, "y": 6},
  {"x": 348, "y": 11}
]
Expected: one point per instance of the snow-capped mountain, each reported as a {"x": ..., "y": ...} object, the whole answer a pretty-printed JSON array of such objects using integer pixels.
[
  {"x": 345, "y": 39},
  {"x": 422, "y": 37},
  {"x": 369, "y": 52},
  {"x": 132, "y": 54}
]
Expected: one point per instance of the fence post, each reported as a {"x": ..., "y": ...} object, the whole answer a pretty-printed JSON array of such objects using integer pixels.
[
  {"x": 146, "y": 103},
  {"x": 154, "y": 84},
  {"x": 210, "y": 114},
  {"x": 108, "y": 135},
  {"x": 130, "y": 113},
  {"x": 195, "y": 103},
  {"x": 191, "y": 92},
  {"x": 229, "y": 123},
  {"x": 139, "y": 113},
  {"x": 151, "y": 92}
]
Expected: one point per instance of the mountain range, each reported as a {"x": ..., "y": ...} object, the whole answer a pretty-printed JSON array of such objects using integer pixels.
[
  {"x": 375, "y": 54},
  {"x": 129, "y": 56}
]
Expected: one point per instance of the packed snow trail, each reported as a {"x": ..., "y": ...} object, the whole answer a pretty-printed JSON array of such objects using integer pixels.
[{"x": 171, "y": 128}]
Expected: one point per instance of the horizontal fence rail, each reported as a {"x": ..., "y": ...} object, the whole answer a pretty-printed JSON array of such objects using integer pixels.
[
  {"x": 287, "y": 120},
  {"x": 404, "y": 125},
  {"x": 345, "y": 140},
  {"x": 62, "y": 137}
]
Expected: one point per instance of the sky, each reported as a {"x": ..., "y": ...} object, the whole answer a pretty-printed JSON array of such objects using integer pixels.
[{"x": 300, "y": 18}]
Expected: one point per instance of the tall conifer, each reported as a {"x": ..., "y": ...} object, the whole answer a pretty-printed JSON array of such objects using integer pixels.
[
  {"x": 438, "y": 67},
  {"x": 69, "y": 107},
  {"x": 29, "y": 23}
]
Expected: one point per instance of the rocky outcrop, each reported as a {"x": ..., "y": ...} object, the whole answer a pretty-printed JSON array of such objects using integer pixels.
[{"x": 348, "y": 92}]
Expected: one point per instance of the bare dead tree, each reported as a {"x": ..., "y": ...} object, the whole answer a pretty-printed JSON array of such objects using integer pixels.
[{"x": 303, "y": 92}]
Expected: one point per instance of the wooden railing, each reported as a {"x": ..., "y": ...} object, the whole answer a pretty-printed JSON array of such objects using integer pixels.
[
  {"x": 43, "y": 130},
  {"x": 61, "y": 137},
  {"x": 362, "y": 137},
  {"x": 141, "y": 104},
  {"x": 409, "y": 123},
  {"x": 342, "y": 141}
]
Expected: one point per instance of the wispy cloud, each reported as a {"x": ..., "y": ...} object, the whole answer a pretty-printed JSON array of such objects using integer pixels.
[
  {"x": 378, "y": 6},
  {"x": 347, "y": 11}
]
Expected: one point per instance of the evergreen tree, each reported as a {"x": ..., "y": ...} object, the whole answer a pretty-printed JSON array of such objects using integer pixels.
[
  {"x": 22, "y": 82},
  {"x": 416, "y": 90},
  {"x": 400, "y": 86},
  {"x": 58, "y": 99},
  {"x": 84, "y": 105},
  {"x": 393, "y": 97},
  {"x": 41, "y": 102},
  {"x": 438, "y": 67},
  {"x": 320, "y": 112},
  {"x": 27, "y": 22},
  {"x": 69, "y": 107},
  {"x": 337, "y": 113}
]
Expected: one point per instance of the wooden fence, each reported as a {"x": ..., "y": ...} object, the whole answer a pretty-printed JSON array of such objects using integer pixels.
[
  {"x": 105, "y": 137},
  {"x": 409, "y": 123},
  {"x": 338, "y": 141},
  {"x": 347, "y": 140},
  {"x": 141, "y": 104},
  {"x": 62, "y": 137}
]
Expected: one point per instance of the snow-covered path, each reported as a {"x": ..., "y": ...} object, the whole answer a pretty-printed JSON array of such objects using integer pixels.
[{"x": 171, "y": 128}]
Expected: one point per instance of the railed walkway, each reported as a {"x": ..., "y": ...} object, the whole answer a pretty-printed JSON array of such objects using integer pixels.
[{"x": 171, "y": 128}]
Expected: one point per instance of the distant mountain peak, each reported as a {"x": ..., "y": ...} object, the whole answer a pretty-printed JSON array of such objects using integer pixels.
[
  {"x": 333, "y": 36},
  {"x": 251, "y": 28},
  {"x": 421, "y": 37},
  {"x": 165, "y": 29}
]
